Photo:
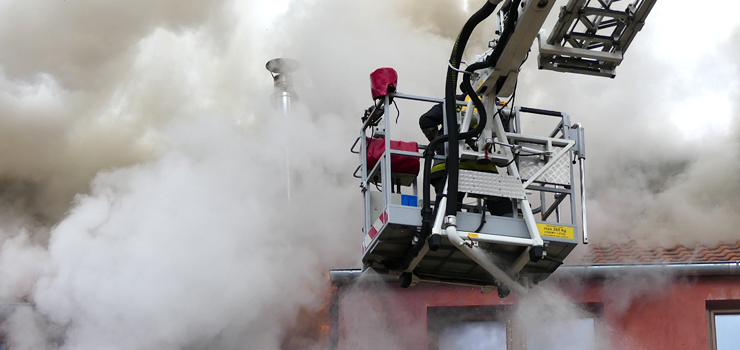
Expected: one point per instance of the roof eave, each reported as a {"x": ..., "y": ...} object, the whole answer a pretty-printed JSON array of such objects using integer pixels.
[{"x": 595, "y": 271}]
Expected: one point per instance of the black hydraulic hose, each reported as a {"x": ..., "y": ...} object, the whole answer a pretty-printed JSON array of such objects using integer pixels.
[
  {"x": 451, "y": 137},
  {"x": 426, "y": 210},
  {"x": 452, "y": 164},
  {"x": 467, "y": 87},
  {"x": 509, "y": 26}
]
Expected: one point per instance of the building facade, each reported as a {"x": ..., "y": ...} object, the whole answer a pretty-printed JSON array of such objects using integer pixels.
[{"x": 619, "y": 297}]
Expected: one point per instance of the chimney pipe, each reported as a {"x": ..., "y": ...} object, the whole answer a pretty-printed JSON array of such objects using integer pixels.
[{"x": 281, "y": 70}]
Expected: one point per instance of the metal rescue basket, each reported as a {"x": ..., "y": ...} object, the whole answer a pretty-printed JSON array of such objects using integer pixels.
[
  {"x": 487, "y": 251},
  {"x": 533, "y": 169}
]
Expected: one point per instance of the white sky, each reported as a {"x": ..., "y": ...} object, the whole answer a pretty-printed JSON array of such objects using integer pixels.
[
  {"x": 681, "y": 35},
  {"x": 689, "y": 36}
]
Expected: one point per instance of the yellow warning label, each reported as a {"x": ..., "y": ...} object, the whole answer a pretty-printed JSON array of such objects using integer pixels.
[
  {"x": 473, "y": 235},
  {"x": 556, "y": 231}
]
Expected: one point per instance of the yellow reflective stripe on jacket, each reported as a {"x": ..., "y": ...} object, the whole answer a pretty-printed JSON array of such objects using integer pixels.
[{"x": 468, "y": 166}]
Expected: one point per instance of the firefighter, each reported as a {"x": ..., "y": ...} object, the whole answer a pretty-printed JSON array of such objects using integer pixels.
[{"x": 430, "y": 123}]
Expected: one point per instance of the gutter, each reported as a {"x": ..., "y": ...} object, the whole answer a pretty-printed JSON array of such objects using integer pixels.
[
  {"x": 340, "y": 277},
  {"x": 725, "y": 268}
]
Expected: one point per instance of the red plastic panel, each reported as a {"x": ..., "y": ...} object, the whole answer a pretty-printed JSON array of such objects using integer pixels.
[{"x": 399, "y": 164}]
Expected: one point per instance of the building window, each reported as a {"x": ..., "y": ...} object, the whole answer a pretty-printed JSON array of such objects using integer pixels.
[
  {"x": 488, "y": 335},
  {"x": 496, "y": 328},
  {"x": 567, "y": 334},
  {"x": 466, "y": 327},
  {"x": 724, "y": 323}
]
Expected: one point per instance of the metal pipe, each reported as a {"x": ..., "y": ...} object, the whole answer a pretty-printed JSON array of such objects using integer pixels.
[
  {"x": 385, "y": 169},
  {"x": 730, "y": 268},
  {"x": 484, "y": 261},
  {"x": 540, "y": 111},
  {"x": 539, "y": 139},
  {"x": 520, "y": 262},
  {"x": 482, "y": 237},
  {"x": 583, "y": 200},
  {"x": 558, "y": 199},
  {"x": 514, "y": 171},
  {"x": 281, "y": 70},
  {"x": 282, "y": 98},
  {"x": 423, "y": 98}
]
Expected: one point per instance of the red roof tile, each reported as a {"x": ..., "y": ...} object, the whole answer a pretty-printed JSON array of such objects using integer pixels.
[{"x": 631, "y": 252}]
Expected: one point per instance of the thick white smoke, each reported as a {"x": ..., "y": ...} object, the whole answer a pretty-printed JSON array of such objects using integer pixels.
[
  {"x": 661, "y": 137},
  {"x": 144, "y": 170},
  {"x": 142, "y": 183}
]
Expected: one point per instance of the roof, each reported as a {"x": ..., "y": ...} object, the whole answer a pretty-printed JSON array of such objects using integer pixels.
[
  {"x": 610, "y": 259},
  {"x": 613, "y": 259},
  {"x": 631, "y": 252}
]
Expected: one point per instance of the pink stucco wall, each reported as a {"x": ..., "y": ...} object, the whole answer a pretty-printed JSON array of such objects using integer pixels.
[{"x": 651, "y": 314}]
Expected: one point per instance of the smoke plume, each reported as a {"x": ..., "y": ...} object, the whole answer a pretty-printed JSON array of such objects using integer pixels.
[
  {"x": 661, "y": 137},
  {"x": 143, "y": 199}
]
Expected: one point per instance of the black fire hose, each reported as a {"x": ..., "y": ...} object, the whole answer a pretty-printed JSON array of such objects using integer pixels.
[
  {"x": 426, "y": 210},
  {"x": 467, "y": 87},
  {"x": 451, "y": 137},
  {"x": 453, "y": 156},
  {"x": 452, "y": 163}
]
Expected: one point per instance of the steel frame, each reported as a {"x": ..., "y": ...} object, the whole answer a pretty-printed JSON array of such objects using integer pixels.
[
  {"x": 465, "y": 240},
  {"x": 592, "y": 37}
]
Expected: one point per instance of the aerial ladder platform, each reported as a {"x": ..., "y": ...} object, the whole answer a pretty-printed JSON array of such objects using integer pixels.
[{"x": 540, "y": 170}]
